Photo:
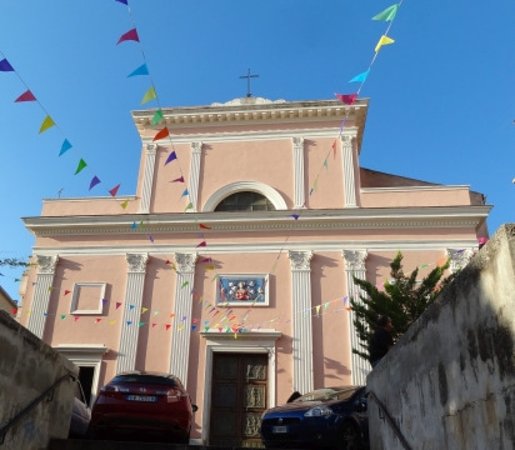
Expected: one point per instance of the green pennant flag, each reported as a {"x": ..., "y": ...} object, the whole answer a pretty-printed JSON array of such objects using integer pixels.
[
  {"x": 149, "y": 95},
  {"x": 82, "y": 165},
  {"x": 388, "y": 14},
  {"x": 157, "y": 118},
  {"x": 189, "y": 206},
  {"x": 47, "y": 123}
]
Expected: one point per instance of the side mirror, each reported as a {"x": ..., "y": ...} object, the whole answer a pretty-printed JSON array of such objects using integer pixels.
[{"x": 194, "y": 408}]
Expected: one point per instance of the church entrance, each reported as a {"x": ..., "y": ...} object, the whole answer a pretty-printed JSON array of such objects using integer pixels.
[{"x": 238, "y": 398}]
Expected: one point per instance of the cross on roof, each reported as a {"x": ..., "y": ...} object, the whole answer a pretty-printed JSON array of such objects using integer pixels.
[{"x": 248, "y": 77}]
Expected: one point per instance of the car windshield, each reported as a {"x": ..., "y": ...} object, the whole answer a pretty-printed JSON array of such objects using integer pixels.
[
  {"x": 327, "y": 394},
  {"x": 143, "y": 379}
]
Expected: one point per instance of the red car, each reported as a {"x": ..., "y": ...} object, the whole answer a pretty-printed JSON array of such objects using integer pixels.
[{"x": 143, "y": 405}]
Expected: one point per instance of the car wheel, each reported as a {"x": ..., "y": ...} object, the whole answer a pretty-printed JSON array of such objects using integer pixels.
[{"x": 351, "y": 437}]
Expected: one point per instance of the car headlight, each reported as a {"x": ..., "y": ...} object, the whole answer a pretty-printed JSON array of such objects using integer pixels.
[{"x": 319, "y": 411}]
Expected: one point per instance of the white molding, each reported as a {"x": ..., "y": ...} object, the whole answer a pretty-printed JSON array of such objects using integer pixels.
[
  {"x": 255, "y": 186},
  {"x": 194, "y": 178},
  {"x": 275, "y": 135},
  {"x": 262, "y": 341},
  {"x": 75, "y": 298},
  {"x": 268, "y": 247},
  {"x": 438, "y": 187}
]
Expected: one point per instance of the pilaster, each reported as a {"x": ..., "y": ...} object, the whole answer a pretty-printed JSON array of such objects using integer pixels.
[
  {"x": 46, "y": 266},
  {"x": 349, "y": 171},
  {"x": 355, "y": 267},
  {"x": 180, "y": 348},
  {"x": 137, "y": 264},
  {"x": 300, "y": 262},
  {"x": 298, "y": 162},
  {"x": 148, "y": 177},
  {"x": 193, "y": 185}
]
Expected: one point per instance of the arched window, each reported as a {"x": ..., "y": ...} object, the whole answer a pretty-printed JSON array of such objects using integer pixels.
[{"x": 245, "y": 201}]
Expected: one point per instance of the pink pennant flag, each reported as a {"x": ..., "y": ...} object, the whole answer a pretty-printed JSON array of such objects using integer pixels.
[
  {"x": 202, "y": 244},
  {"x": 204, "y": 227},
  {"x": 27, "y": 96},
  {"x": 98, "y": 320},
  {"x": 153, "y": 324},
  {"x": 178, "y": 180},
  {"x": 347, "y": 99},
  {"x": 76, "y": 318},
  {"x": 114, "y": 191},
  {"x": 131, "y": 35}
]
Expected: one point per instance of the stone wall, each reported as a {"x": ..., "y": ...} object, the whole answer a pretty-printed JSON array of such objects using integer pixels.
[
  {"x": 27, "y": 368},
  {"x": 449, "y": 383}
]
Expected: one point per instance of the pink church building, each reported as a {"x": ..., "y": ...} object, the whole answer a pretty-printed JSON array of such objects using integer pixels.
[{"x": 232, "y": 265}]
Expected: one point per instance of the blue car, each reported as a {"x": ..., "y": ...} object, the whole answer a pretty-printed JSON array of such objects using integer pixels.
[{"x": 333, "y": 418}]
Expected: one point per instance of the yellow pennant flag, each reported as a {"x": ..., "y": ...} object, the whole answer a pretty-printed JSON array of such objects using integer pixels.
[
  {"x": 124, "y": 204},
  {"x": 144, "y": 310},
  {"x": 383, "y": 40},
  {"x": 149, "y": 95},
  {"x": 47, "y": 123}
]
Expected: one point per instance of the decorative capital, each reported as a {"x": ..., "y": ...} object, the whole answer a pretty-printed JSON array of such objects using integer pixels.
[
  {"x": 137, "y": 261},
  {"x": 298, "y": 142},
  {"x": 186, "y": 262},
  {"x": 47, "y": 264},
  {"x": 152, "y": 148},
  {"x": 300, "y": 260},
  {"x": 355, "y": 259},
  {"x": 459, "y": 258},
  {"x": 196, "y": 147},
  {"x": 346, "y": 140}
]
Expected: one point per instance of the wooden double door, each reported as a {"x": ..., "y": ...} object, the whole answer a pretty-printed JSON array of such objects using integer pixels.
[{"x": 238, "y": 398}]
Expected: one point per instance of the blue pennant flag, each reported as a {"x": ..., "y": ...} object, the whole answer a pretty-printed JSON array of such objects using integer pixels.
[{"x": 141, "y": 70}]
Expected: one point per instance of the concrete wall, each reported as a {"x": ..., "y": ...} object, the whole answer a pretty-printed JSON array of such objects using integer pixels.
[
  {"x": 449, "y": 383},
  {"x": 27, "y": 368}
]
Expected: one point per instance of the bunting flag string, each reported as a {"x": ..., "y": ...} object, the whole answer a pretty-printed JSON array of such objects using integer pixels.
[{"x": 48, "y": 121}]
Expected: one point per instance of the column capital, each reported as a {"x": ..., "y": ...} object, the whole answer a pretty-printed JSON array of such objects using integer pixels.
[
  {"x": 196, "y": 146},
  {"x": 459, "y": 258},
  {"x": 300, "y": 260},
  {"x": 137, "y": 261},
  {"x": 152, "y": 148},
  {"x": 47, "y": 264},
  {"x": 355, "y": 259},
  {"x": 298, "y": 142},
  {"x": 186, "y": 262}
]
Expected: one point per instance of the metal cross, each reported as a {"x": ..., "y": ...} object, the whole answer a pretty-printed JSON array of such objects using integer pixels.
[{"x": 248, "y": 77}]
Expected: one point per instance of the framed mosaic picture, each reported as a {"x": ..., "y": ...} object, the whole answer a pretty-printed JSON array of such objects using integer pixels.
[{"x": 242, "y": 290}]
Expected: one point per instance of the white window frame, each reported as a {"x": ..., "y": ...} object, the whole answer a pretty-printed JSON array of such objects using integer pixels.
[{"x": 75, "y": 299}]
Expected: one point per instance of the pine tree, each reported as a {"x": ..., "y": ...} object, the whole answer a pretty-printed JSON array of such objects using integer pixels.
[{"x": 404, "y": 299}]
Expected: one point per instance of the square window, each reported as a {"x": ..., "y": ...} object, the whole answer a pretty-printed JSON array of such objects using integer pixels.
[{"x": 88, "y": 298}]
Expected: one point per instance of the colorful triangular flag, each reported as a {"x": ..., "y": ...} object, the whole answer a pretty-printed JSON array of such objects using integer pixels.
[
  {"x": 178, "y": 180},
  {"x": 185, "y": 193},
  {"x": 46, "y": 124},
  {"x": 383, "y": 40},
  {"x": 114, "y": 190},
  {"x": 123, "y": 1},
  {"x": 204, "y": 227},
  {"x": 27, "y": 96},
  {"x": 157, "y": 117},
  {"x": 348, "y": 99},
  {"x": 171, "y": 157},
  {"x": 388, "y": 14},
  {"x": 149, "y": 95},
  {"x": 131, "y": 35},
  {"x": 161, "y": 134},
  {"x": 141, "y": 70},
  {"x": 188, "y": 206},
  {"x": 65, "y": 147},
  {"x": 94, "y": 181},
  {"x": 124, "y": 204},
  {"x": 81, "y": 166},
  {"x": 202, "y": 244},
  {"x": 5, "y": 66},
  {"x": 360, "y": 78}
]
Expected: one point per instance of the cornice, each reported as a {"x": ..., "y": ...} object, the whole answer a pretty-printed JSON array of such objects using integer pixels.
[{"x": 244, "y": 222}]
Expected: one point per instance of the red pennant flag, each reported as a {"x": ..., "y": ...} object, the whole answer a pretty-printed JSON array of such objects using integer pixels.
[
  {"x": 66, "y": 292},
  {"x": 178, "y": 180},
  {"x": 334, "y": 148},
  {"x": 161, "y": 134},
  {"x": 27, "y": 96},
  {"x": 76, "y": 318},
  {"x": 153, "y": 324},
  {"x": 118, "y": 304},
  {"x": 14, "y": 311},
  {"x": 202, "y": 244},
  {"x": 114, "y": 191},
  {"x": 167, "y": 326},
  {"x": 348, "y": 99},
  {"x": 205, "y": 227},
  {"x": 98, "y": 320},
  {"x": 131, "y": 35}
]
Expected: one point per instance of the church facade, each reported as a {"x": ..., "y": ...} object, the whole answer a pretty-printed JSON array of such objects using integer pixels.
[{"x": 232, "y": 265}]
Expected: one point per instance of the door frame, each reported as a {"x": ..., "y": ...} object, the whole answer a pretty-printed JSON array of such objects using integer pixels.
[{"x": 250, "y": 342}]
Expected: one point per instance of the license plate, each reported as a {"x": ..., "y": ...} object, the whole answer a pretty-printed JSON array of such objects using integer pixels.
[
  {"x": 142, "y": 398},
  {"x": 280, "y": 429}
]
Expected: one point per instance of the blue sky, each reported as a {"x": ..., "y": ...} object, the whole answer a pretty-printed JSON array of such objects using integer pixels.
[{"x": 441, "y": 97}]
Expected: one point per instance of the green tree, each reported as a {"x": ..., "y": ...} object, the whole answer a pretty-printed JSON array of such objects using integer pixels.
[
  {"x": 404, "y": 299},
  {"x": 13, "y": 262}
]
